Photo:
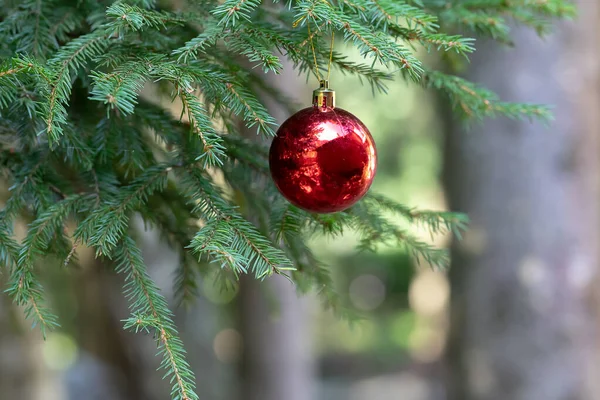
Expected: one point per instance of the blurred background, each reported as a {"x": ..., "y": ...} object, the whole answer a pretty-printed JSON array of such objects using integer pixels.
[{"x": 515, "y": 317}]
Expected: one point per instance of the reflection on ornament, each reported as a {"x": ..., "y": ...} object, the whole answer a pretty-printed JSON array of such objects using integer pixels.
[{"x": 323, "y": 158}]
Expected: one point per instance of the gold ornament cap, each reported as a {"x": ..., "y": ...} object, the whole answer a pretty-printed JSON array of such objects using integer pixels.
[{"x": 323, "y": 97}]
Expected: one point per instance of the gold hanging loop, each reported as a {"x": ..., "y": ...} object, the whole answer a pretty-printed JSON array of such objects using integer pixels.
[
  {"x": 317, "y": 73},
  {"x": 330, "y": 54}
]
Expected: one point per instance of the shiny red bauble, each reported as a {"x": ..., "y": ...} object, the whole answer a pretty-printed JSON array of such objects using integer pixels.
[{"x": 323, "y": 159}]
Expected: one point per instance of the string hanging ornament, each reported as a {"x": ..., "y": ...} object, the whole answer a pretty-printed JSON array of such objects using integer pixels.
[{"x": 323, "y": 158}]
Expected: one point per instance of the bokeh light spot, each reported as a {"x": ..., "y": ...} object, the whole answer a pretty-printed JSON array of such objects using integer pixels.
[
  {"x": 222, "y": 292},
  {"x": 60, "y": 351},
  {"x": 402, "y": 327},
  {"x": 227, "y": 345},
  {"x": 426, "y": 343},
  {"x": 367, "y": 292},
  {"x": 429, "y": 293}
]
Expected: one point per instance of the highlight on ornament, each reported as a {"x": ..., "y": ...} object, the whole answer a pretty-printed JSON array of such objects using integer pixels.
[{"x": 323, "y": 159}]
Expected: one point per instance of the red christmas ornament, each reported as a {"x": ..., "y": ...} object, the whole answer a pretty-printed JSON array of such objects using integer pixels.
[{"x": 323, "y": 158}]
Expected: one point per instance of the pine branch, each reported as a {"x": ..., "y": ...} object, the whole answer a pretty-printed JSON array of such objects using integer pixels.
[
  {"x": 380, "y": 46},
  {"x": 105, "y": 227},
  {"x": 27, "y": 185},
  {"x": 480, "y": 22},
  {"x": 437, "y": 222},
  {"x": 120, "y": 88},
  {"x": 198, "y": 45},
  {"x": 125, "y": 17},
  {"x": 256, "y": 50},
  {"x": 287, "y": 222},
  {"x": 10, "y": 80},
  {"x": 231, "y": 11},
  {"x": 243, "y": 102},
  {"x": 37, "y": 26},
  {"x": 213, "y": 149},
  {"x": 477, "y": 103},
  {"x": 227, "y": 236},
  {"x": 69, "y": 59},
  {"x": 375, "y": 230},
  {"x": 251, "y": 154},
  {"x": 490, "y": 17},
  {"x": 376, "y": 78},
  {"x": 185, "y": 285},
  {"x": 456, "y": 43},
  {"x": 25, "y": 288},
  {"x": 312, "y": 274},
  {"x": 383, "y": 12},
  {"x": 9, "y": 248},
  {"x": 150, "y": 312}
]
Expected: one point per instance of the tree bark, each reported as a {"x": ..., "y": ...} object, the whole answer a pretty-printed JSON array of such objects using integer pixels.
[
  {"x": 275, "y": 322},
  {"x": 278, "y": 362},
  {"x": 523, "y": 322},
  {"x": 17, "y": 367}
]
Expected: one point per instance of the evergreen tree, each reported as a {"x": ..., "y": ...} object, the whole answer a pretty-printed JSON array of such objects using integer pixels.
[{"x": 80, "y": 145}]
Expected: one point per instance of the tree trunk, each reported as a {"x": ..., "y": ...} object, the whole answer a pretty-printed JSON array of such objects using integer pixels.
[
  {"x": 278, "y": 362},
  {"x": 523, "y": 323},
  {"x": 17, "y": 368},
  {"x": 275, "y": 323}
]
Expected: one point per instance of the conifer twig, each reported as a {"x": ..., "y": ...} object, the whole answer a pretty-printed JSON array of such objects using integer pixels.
[{"x": 150, "y": 311}]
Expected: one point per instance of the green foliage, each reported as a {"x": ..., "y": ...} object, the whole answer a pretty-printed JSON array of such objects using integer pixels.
[
  {"x": 88, "y": 139},
  {"x": 475, "y": 102},
  {"x": 150, "y": 313},
  {"x": 231, "y": 240}
]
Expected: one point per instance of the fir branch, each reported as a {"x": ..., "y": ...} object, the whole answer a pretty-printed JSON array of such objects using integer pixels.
[
  {"x": 480, "y": 22},
  {"x": 437, "y": 222},
  {"x": 212, "y": 32},
  {"x": 490, "y": 17},
  {"x": 171, "y": 215},
  {"x": 386, "y": 11},
  {"x": 255, "y": 50},
  {"x": 69, "y": 59},
  {"x": 11, "y": 71},
  {"x": 380, "y": 46},
  {"x": 201, "y": 125},
  {"x": 36, "y": 30},
  {"x": 119, "y": 88},
  {"x": 43, "y": 229},
  {"x": 25, "y": 288},
  {"x": 9, "y": 248},
  {"x": 477, "y": 103},
  {"x": 330, "y": 224},
  {"x": 227, "y": 236},
  {"x": 287, "y": 222},
  {"x": 8, "y": 85},
  {"x": 439, "y": 41},
  {"x": 125, "y": 17},
  {"x": 455, "y": 43},
  {"x": 185, "y": 284},
  {"x": 251, "y": 154},
  {"x": 241, "y": 101},
  {"x": 149, "y": 311},
  {"x": 217, "y": 87},
  {"x": 312, "y": 274},
  {"x": 374, "y": 230},
  {"x": 10, "y": 81},
  {"x": 74, "y": 147},
  {"x": 34, "y": 27},
  {"x": 105, "y": 227},
  {"x": 231, "y": 11},
  {"x": 376, "y": 78},
  {"x": 27, "y": 185}
]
